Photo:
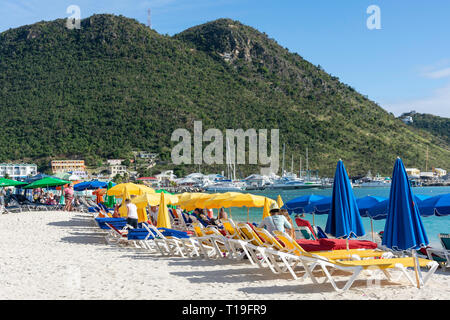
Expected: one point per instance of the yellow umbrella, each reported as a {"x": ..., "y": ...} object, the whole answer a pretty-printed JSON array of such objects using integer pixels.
[
  {"x": 196, "y": 200},
  {"x": 125, "y": 190},
  {"x": 280, "y": 202},
  {"x": 219, "y": 200},
  {"x": 153, "y": 199},
  {"x": 245, "y": 200},
  {"x": 266, "y": 211},
  {"x": 163, "y": 220},
  {"x": 142, "y": 215}
]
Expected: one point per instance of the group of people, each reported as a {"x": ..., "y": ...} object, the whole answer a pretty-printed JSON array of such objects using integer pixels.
[
  {"x": 39, "y": 196},
  {"x": 278, "y": 219}
]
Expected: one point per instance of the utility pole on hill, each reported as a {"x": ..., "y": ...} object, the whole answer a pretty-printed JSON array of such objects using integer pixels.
[{"x": 149, "y": 21}]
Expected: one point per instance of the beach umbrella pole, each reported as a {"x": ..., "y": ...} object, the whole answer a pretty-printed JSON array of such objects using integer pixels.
[
  {"x": 371, "y": 226},
  {"x": 416, "y": 266},
  {"x": 248, "y": 214}
]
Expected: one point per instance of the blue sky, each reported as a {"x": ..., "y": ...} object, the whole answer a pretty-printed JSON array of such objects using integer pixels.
[{"x": 403, "y": 66}]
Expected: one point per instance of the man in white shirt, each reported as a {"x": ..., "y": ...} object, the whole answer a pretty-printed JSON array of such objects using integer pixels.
[
  {"x": 132, "y": 216},
  {"x": 276, "y": 221}
]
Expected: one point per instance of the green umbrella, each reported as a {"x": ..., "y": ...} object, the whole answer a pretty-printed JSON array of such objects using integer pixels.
[
  {"x": 47, "y": 182},
  {"x": 162, "y": 190},
  {"x": 11, "y": 183}
]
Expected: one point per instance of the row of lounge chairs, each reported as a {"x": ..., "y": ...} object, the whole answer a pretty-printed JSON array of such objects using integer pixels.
[{"x": 278, "y": 253}]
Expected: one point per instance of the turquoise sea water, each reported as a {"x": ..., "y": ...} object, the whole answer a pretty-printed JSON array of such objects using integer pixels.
[{"x": 433, "y": 225}]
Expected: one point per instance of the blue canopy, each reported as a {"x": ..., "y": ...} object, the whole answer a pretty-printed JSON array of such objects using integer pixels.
[
  {"x": 367, "y": 202},
  {"x": 90, "y": 185},
  {"x": 344, "y": 219},
  {"x": 404, "y": 229},
  {"x": 438, "y": 205},
  {"x": 37, "y": 177},
  {"x": 322, "y": 206},
  {"x": 380, "y": 210},
  {"x": 301, "y": 204}
]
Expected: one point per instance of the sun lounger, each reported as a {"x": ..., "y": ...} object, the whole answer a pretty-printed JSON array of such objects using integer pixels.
[
  {"x": 174, "y": 242},
  {"x": 310, "y": 260},
  {"x": 212, "y": 243},
  {"x": 240, "y": 245},
  {"x": 441, "y": 255},
  {"x": 259, "y": 250}
]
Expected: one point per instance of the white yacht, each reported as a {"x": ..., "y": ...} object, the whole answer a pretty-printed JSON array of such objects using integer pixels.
[
  {"x": 290, "y": 181},
  {"x": 375, "y": 182},
  {"x": 224, "y": 186}
]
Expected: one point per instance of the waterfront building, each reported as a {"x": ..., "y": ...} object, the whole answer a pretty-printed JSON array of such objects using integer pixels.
[
  {"x": 59, "y": 166},
  {"x": 413, "y": 172},
  {"x": 17, "y": 170}
]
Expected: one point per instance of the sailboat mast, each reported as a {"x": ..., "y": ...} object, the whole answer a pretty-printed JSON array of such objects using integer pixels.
[
  {"x": 282, "y": 168},
  {"x": 307, "y": 164},
  {"x": 292, "y": 163},
  {"x": 300, "y": 166}
]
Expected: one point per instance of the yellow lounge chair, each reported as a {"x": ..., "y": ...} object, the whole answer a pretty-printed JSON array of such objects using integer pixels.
[
  {"x": 238, "y": 242},
  {"x": 356, "y": 266},
  {"x": 210, "y": 244},
  {"x": 264, "y": 258},
  {"x": 292, "y": 247}
]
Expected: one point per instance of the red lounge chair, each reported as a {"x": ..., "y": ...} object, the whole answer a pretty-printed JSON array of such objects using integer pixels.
[
  {"x": 335, "y": 244},
  {"x": 305, "y": 223}
]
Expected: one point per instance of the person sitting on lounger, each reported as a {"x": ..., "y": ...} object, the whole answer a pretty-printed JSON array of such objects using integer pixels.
[{"x": 276, "y": 221}]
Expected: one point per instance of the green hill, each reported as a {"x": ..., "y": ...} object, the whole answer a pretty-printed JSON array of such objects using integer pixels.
[
  {"x": 115, "y": 86},
  {"x": 438, "y": 126}
]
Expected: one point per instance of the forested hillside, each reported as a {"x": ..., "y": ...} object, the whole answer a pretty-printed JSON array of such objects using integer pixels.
[{"x": 115, "y": 86}]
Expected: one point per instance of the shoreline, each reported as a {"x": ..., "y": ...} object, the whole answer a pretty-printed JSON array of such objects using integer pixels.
[{"x": 61, "y": 255}]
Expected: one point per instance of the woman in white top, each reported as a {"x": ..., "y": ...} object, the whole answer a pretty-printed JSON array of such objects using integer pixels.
[{"x": 132, "y": 216}]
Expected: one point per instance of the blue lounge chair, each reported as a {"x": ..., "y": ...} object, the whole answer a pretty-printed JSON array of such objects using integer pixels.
[{"x": 441, "y": 255}]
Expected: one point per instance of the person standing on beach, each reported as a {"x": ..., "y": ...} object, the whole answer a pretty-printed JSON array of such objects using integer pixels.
[
  {"x": 132, "y": 216},
  {"x": 68, "y": 196},
  {"x": 2, "y": 199}
]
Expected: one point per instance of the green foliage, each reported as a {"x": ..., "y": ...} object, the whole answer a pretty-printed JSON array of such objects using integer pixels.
[
  {"x": 115, "y": 86},
  {"x": 438, "y": 126}
]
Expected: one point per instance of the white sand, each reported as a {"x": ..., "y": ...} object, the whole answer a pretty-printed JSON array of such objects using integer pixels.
[{"x": 60, "y": 255}]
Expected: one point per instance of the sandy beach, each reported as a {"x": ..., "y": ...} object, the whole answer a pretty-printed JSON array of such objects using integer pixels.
[{"x": 60, "y": 255}]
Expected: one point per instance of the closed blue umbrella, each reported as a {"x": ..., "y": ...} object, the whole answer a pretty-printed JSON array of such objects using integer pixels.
[
  {"x": 404, "y": 229},
  {"x": 344, "y": 219},
  {"x": 438, "y": 205}
]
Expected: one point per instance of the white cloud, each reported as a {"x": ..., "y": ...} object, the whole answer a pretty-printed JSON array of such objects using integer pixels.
[
  {"x": 438, "y": 103},
  {"x": 437, "y": 74}
]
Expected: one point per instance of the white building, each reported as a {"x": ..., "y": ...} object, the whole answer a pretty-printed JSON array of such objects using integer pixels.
[
  {"x": 17, "y": 170},
  {"x": 114, "y": 162},
  {"x": 413, "y": 172},
  {"x": 440, "y": 172},
  {"x": 166, "y": 175},
  {"x": 117, "y": 170},
  {"x": 427, "y": 175}
]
